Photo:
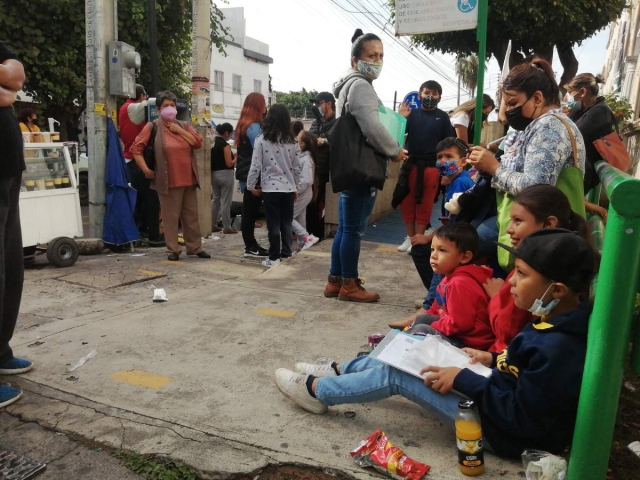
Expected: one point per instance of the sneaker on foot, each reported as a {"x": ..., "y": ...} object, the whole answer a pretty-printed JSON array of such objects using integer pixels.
[
  {"x": 429, "y": 231},
  {"x": 405, "y": 245},
  {"x": 270, "y": 263},
  {"x": 322, "y": 368},
  {"x": 255, "y": 252},
  {"x": 15, "y": 365},
  {"x": 309, "y": 241},
  {"x": 8, "y": 395},
  {"x": 294, "y": 386},
  {"x": 409, "y": 250}
]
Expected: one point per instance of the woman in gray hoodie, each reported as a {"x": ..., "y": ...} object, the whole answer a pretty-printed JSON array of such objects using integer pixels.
[{"x": 356, "y": 96}]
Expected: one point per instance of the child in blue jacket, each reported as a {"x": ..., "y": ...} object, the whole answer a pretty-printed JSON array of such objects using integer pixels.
[
  {"x": 530, "y": 400},
  {"x": 451, "y": 161}
]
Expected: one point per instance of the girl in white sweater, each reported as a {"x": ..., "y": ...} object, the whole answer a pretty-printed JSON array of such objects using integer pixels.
[{"x": 307, "y": 189}]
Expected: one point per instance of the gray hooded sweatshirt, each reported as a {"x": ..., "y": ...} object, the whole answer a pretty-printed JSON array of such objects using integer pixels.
[{"x": 356, "y": 93}]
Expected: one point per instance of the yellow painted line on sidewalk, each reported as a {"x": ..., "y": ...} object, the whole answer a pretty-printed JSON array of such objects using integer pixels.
[
  {"x": 275, "y": 313},
  {"x": 387, "y": 250},
  {"x": 141, "y": 379},
  {"x": 235, "y": 252},
  {"x": 150, "y": 273}
]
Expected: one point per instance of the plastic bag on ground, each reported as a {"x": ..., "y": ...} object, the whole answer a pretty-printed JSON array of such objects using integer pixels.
[{"x": 541, "y": 465}]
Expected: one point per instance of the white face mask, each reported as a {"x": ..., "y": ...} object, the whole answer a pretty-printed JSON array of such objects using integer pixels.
[{"x": 542, "y": 311}]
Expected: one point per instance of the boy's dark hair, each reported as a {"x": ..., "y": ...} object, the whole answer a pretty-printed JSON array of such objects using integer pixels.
[
  {"x": 448, "y": 143},
  {"x": 462, "y": 234},
  {"x": 277, "y": 125},
  {"x": 431, "y": 85},
  {"x": 297, "y": 126}
]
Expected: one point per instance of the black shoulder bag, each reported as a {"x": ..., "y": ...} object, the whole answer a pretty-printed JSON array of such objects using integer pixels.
[
  {"x": 150, "y": 149},
  {"x": 354, "y": 163}
]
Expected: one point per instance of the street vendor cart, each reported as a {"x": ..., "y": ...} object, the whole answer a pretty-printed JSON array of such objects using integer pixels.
[{"x": 49, "y": 203}]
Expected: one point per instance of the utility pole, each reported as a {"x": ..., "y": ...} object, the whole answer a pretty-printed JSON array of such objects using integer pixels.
[
  {"x": 395, "y": 100},
  {"x": 152, "y": 25},
  {"x": 100, "y": 30},
  {"x": 200, "y": 114},
  {"x": 459, "y": 87}
]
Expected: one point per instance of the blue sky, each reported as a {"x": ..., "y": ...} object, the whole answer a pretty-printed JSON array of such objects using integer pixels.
[{"x": 310, "y": 41}]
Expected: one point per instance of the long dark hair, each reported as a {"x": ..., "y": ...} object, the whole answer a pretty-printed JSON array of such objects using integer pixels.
[
  {"x": 24, "y": 115},
  {"x": 310, "y": 144},
  {"x": 544, "y": 201},
  {"x": 277, "y": 125},
  {"x": 533, "y": 76}
]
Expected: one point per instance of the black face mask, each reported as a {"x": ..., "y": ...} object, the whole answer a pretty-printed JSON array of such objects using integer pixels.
[
  {"x": 485, "y": 117},
  {"x": 430, "y": 102},
  {"x": 516, "y": 120}
]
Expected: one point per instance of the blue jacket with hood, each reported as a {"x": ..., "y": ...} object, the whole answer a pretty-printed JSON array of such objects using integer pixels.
[{"x": 530, "y": 401}]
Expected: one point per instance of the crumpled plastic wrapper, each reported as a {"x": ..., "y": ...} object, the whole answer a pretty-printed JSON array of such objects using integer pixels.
[
  {"x": 159, "y": 295},
  {"x": 541, "y": 465}
]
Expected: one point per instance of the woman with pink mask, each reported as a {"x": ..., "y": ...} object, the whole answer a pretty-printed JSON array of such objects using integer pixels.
[{"x": 174, "y": 176}]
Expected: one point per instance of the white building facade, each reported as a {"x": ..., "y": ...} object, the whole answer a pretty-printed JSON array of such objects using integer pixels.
[{"x": 244, "y": 70}]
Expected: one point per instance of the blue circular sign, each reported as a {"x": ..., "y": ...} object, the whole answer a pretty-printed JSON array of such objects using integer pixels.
[
  {"x": 466, "y": 6},
  {"x": 413, "y": 99}
]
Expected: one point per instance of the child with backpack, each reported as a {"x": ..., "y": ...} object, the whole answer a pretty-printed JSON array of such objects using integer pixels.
[{"x": 275, "y": 164}]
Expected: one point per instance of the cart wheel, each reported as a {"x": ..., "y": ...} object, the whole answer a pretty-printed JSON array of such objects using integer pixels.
[{"x": 62, "y": 252}]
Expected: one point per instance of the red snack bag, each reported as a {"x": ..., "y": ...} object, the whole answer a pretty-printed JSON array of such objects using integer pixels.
[{"x": 376, "y": 451}]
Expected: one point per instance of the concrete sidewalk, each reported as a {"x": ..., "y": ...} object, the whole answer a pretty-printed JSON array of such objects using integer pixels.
[{"x": 193, "y": 378}]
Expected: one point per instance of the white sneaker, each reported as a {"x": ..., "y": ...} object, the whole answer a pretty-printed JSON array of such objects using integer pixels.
[
  {"x": 409, "y": 250},
  {"x": 430, "y": 231},
  {"x": 406, "y": 245},
  {"x": 293, "y": 386},
  {"x": 322, "y": 368},
  {"x": 309, "y": 241},
  {"x": 270, "y": 263}
]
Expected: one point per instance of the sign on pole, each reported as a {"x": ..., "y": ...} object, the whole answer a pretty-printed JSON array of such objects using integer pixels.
[
  {"x": 414, "y": 17},
  {"x": 413, "y": 99}
]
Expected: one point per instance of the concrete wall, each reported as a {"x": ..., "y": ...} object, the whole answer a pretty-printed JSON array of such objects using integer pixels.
[{"x": 225, "y": 104}]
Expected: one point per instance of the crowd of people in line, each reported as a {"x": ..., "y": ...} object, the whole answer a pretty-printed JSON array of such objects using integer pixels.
[{"x": 507, "y": 276}]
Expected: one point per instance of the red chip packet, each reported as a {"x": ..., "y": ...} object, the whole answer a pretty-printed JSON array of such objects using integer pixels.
[{"x": 376, "y": 451}]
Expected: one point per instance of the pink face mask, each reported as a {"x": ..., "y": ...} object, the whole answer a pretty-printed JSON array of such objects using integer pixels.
[{"x": 168, "y": 114}]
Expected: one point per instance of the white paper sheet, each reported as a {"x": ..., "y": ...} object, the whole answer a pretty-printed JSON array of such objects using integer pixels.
[{"x": 410, "y": 354}]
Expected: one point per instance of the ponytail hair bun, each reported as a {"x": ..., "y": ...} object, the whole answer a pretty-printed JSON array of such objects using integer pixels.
[
  {"x": 359, "y": 40},
  {"x": 358, "y": 33},
  {"x": 599, "y": 79}
]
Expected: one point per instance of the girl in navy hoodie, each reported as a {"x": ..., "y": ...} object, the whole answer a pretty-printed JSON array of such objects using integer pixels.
[{"x": 530, "y": 400}]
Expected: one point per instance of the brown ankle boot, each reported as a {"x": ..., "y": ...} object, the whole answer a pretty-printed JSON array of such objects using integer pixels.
[
  {"x": 333, "y": 287},
  {"x": 353, "y": 291}
]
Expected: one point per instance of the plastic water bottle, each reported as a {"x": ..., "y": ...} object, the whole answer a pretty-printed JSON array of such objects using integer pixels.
[{"x": 469, "y": 440}]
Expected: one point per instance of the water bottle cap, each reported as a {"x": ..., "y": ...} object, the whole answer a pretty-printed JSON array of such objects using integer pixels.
[{"x": 466, "y": 404}]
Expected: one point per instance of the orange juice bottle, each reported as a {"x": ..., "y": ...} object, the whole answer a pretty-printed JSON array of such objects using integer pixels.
[{"x": 469, "y": 440}]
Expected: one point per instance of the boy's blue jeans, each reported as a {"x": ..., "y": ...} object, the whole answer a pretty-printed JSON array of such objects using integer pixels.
[
  {"x": 366, "y": 380},
  {"x": 354, "y": 209}
]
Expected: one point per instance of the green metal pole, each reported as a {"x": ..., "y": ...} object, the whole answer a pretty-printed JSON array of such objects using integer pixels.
[
  {"x": 609, "y": 328},
  {"x": 483, "y": 19}
]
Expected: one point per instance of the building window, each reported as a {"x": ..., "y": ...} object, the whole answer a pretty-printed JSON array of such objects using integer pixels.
[
  {"x": 257, "y": 86},
  {"x": 218, "y": 80},
  {"x": 237, "y": 84}
]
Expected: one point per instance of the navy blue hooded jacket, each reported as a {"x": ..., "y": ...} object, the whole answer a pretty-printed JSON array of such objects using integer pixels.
[{"x": 531, "y": 398}]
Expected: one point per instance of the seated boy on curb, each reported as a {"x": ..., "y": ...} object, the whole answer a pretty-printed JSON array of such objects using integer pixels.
[
  {"x": 459, "y": 313},
  {"x": 451, "y": 161},
  {"x": 530, "y": 401}
]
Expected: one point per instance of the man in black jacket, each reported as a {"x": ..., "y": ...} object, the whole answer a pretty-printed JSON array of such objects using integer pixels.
[
  {"x": 321, "y": 127},
  {"x": 11, "y": 263}
]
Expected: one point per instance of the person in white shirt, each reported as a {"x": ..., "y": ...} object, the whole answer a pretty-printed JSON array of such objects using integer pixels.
[{"x": 463, "y": 117}]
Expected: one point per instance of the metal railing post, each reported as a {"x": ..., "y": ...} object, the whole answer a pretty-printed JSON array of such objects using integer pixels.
[{"x": 609, "y": 328}]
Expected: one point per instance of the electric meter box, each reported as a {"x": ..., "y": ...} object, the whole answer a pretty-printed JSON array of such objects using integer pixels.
[{"x": 124, "y": 62}]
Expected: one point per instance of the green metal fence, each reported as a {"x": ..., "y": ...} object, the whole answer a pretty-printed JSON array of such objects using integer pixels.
[{"x": 609, "y": 328}]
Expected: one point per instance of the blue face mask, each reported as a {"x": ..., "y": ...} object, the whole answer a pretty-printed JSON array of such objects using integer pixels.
[{"x": 540, "y": 310}]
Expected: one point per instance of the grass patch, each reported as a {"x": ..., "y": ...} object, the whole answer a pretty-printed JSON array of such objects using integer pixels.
[{"x": 154, "y": 468}]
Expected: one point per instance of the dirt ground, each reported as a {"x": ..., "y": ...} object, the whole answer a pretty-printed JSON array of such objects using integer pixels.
[{"x": 623, "y": 464}]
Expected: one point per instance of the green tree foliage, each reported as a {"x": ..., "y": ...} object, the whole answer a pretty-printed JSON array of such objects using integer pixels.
[
  {"x": 535, "y": 26},
  {"x": 49, "y": 36},
  {"x": 467, "y": 70},
  {"x": 297, "y": 102}
]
